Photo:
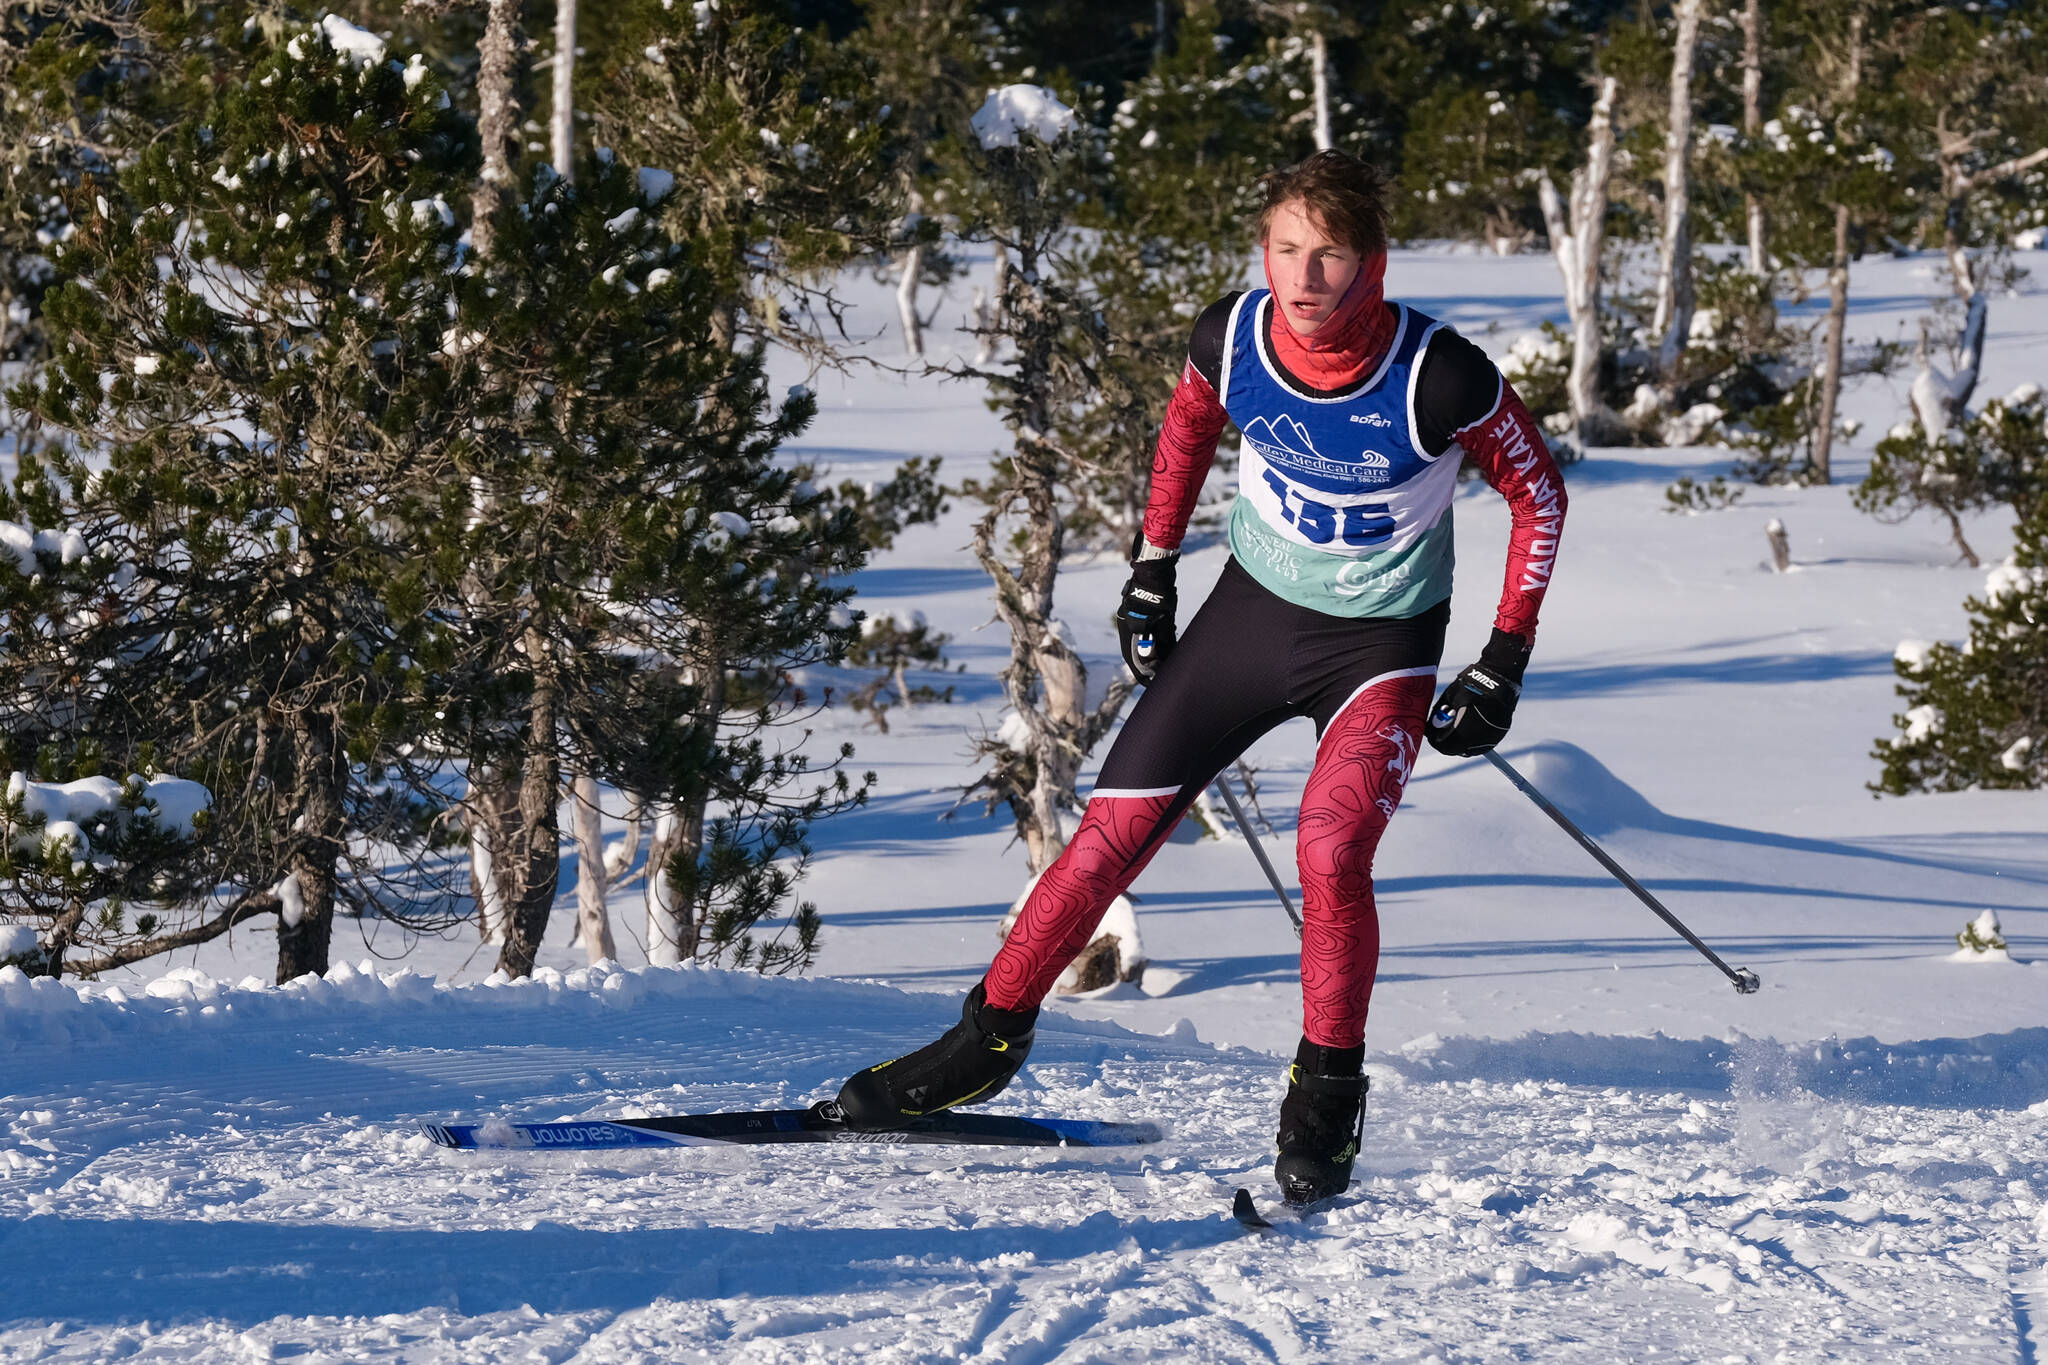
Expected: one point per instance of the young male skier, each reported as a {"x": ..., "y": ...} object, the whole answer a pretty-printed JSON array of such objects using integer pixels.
[{"x": 1355, "y": 413}]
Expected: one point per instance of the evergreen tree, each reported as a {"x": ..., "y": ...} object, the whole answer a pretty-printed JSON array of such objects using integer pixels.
[
  {"x": 78, "y": 856},
  {"x": 1969, "y": 98},
  {"x": 1172, "y": 218},
  {"x": 1978, "y": 716},
  {"x": 1463, "y": 101},
  {"x": 1835, "y": 182},
  {"x": 930, "y": 69},
  {"x": 1027, "y": 169},
  {"x": 247, "y": 329},
  {"x": 635, "y": 574},
  {"x": 1999, "y": 455},
  {"x": 785, "y": 162}
]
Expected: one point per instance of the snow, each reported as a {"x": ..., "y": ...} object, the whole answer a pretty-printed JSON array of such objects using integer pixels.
[
  {"x": 1580, "y": 1143},
  {"x": 366, "y": 48},
  {"x": 17, "y": 940},
  {"x": 2010, "y": 578},
  {"x": 25, "y": 544},
  {"x": 1922, "y": 721},
  {"x": 655, "y": 185},
  {"x": 291, "y": 900},
  {"x": 1015, "y": 109},
  {"x": 67, "y": 808}
]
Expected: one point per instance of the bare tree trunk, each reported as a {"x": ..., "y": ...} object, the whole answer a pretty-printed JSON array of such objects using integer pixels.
[
  {"x": 1753, "y": 124},
  {"x": 530, "y": 862},
  {"x": 488, "y": 812},
  {"x": 1957, "y": 186},
  {"x": 988, "y": 312},
  {"x": 1045, "y": 683},
  {"x": 497, "y": 116},
  {"x": 620, "y": 860},
  {"x": 1673, "y": 320},
  {"x": 63, "y": 932},
  {"x": 1577, "y": 232},
  {"x": 1831, "y": 375},
  {"x": 564, "y": 140},
  {"x": 1319, "y": 68},
  {"x": 1838, "y": 290},
  {"x": 593, "y": 925},
  {"x": 664, "y": 920},
  {"x": 673, "y": 933},
  {"x": 303, "y": 947},
  {"x": 906, "y": 303}
]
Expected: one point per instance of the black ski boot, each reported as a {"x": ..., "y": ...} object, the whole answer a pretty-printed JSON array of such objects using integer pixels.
[
  {"x": 1322, "y": 1121},
  {"x": 970, "y": 1063}
]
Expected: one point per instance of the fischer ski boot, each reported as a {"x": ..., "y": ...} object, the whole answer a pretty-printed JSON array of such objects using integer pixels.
[
  {"x": 1322, "y": 1121},
  {"x": 970, "y": 1063}
]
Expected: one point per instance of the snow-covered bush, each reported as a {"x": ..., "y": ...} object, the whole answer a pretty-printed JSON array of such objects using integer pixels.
[
  {"x": 893, "y": 643},
  {"x": 1998, "y": 455},
  {"x": 1537, "y": 365},
  {"x": 1693, "y": 497},
  {"x": 1982, "y": 940},
  {"x": 76, "y": 857},
  {"x": 1978, "y": 716}
]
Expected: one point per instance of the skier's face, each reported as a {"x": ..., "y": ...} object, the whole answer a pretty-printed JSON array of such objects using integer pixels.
[{"x": 1309, "y": 269}]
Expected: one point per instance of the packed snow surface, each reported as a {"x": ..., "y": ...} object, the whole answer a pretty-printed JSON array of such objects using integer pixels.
[{"x": 1580, "y": 1145}]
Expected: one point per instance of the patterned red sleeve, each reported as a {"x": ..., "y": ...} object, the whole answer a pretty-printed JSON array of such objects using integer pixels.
[
  {"x": 1187, "y": 447},
  {"x": 1507, "y": 448}
]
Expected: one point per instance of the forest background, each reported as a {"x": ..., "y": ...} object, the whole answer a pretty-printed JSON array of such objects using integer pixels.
[{"x": 397, "y": 481}]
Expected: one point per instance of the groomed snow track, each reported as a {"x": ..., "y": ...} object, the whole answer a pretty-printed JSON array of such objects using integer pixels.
[{"x": 224, "y": 1173}]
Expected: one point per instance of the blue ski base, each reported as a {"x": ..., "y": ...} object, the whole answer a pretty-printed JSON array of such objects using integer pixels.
[{"x": 784, "y": 1125}]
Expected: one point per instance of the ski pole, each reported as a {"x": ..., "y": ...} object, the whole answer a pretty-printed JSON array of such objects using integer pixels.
[
  {"x": 1745, "y": 980},
  {"x": 1259, "y": 852}
]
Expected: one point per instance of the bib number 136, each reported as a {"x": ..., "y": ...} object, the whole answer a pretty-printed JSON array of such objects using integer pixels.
[{"x": 1361, "y": 524}]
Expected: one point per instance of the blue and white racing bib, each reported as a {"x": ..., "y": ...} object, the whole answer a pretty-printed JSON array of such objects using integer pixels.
[{"x": 1339, "y": 509}]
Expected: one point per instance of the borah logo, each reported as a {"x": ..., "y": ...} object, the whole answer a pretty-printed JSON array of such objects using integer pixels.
[{"x": 1372, "y": 419}]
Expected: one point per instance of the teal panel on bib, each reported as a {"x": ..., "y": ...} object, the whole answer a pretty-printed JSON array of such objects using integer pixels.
[{"x": 1405, "y": 583}]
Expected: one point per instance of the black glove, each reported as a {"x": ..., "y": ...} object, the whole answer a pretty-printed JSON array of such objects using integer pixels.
[
  {"x": 1144, "y": 620},
  {"x": 1474, "y": 712}
]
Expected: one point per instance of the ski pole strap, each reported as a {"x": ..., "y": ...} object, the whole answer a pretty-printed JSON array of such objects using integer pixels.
[
  {"x": 1258, "y": 851},
  {"x": 1745, "y": 981}
]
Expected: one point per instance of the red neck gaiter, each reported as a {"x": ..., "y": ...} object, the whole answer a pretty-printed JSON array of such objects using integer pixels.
[{"x": 1347, "y": 347}]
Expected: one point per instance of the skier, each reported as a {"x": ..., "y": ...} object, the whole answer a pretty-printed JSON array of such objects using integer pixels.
[{"x": 1355, "y": 413}]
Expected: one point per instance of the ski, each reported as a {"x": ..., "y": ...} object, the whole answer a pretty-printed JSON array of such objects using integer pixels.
[
  {"x": 1247, "y": 1212},
  {"x": 819, "y": 1123}
]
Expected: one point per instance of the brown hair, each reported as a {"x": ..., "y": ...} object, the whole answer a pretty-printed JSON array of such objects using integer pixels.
[{"x": 1346, "y": 196}]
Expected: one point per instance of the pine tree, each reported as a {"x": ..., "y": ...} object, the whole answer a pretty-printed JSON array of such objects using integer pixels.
[
  {"x": 1464, "y": 102},
  {"x": 78, "y": 856},
  {"x": 1978, "y": 716},
  {"x": 785, "y": 163},
  {"x": 635, "y": 538},
  {"x": 1968, "y": 99},
  {"x": 1835, "y": 182},
  {"x": 1025, "y": 173},
  {"x": 248, "y": 330},
  {"x": 1172, "y": 218},
  {"x": 1997, "y": 456}
]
